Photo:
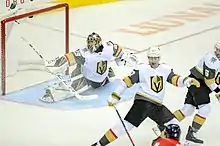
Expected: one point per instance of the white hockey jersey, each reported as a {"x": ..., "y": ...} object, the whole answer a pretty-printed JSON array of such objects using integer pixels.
[
  {"x": 153, "y": 81},
  {"x": 207, "y": 69},
  {"x": 96, "y": 65}
]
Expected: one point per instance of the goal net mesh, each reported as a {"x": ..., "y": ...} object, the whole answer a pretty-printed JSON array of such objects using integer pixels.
[{"x": 46, "y": 28}]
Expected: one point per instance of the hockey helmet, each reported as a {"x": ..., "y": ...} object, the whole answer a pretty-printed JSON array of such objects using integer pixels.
[
  {"x": 94, "y": 41},
  {"x": 153, "y": 52},
  {"x": 153, "y": 55},
  {"x": 173, "y": 131}
]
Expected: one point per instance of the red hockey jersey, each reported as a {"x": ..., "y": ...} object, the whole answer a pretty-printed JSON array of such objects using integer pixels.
[{"x": 166, "y": 142}]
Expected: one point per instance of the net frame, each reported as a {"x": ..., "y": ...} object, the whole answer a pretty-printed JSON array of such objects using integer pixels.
[{"x": 21, "y": 16}]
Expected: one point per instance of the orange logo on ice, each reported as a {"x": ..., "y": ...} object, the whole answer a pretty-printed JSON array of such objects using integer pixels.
[{"x": 172, "y": 20}]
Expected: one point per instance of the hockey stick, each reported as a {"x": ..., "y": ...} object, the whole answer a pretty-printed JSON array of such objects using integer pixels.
[
  {"x": 126, "y": 130},
  {"x": 75, "y": 93},
  {"x": 155, "y": 130}
]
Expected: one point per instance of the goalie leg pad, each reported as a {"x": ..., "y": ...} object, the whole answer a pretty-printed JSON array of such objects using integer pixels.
[
  {"x": 77, "y": 71},
  {"x": 56, "y": 92},
  {"x": 80, "y": 84}
]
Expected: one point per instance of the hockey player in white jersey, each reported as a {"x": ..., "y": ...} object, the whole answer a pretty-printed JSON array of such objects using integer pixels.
[
  {"x": 92, "y": 67},
  {"x": 207, "y": 73},
  {"x": 148, "y": 102}
]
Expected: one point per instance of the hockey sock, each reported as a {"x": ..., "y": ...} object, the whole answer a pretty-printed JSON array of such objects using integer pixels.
[
  {"x": 197, "y": 123},
  {"x": 179, "y": 115},
  {"x": 109, "y": 137},
  {"x": 115, "y": 132}
]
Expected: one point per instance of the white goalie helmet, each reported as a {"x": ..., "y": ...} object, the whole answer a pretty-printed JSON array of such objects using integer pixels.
[{"x": 154, "y": 52}]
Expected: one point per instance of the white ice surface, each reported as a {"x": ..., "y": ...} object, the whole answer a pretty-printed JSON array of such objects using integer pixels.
[{"x": 26, "y": 125}]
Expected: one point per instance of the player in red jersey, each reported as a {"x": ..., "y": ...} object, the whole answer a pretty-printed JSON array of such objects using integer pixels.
[{"x": 172, "y": 136}]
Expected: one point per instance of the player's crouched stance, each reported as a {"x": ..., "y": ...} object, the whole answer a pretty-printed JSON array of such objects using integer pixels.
[
  {"x": 92, "y": 67},
  {"x": 152, "y": 79},
  {"x": 172, "y": 135}
]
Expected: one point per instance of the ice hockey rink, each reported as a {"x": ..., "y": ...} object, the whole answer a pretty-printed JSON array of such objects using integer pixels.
[{"x": 134, "y": 24}]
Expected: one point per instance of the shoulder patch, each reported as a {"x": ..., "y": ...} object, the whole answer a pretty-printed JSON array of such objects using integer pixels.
[
  {"x": 77, "y": 52},
  {"x": 213, "y": 60}
]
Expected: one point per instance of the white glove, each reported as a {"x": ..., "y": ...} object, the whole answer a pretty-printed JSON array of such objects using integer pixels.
[
  {"x": 114, "y": 99},
  {"x": 191, "y": 81},
  {"x": 127, "y": 59}
]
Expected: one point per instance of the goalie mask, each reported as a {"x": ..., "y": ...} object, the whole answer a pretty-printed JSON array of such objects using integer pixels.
[
  {"x": 217, "y": 50},
  {"x": 94, "y": 41},
  {"x": 153, "y": 55}
]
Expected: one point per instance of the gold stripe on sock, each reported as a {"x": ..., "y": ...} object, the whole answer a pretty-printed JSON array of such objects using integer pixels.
[
  {"x": 110, "y": 135},
  {"x": 199, "y": 119},
  {"x": 179, "y": 115}
]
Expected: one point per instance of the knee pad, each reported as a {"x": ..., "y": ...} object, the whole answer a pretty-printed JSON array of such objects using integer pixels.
[
  {"x": 204, "y": 110},
  {"x": 188, "y": 110}
]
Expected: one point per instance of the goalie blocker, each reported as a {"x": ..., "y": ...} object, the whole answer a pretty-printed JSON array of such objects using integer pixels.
[{"x": 92, "y": 67}]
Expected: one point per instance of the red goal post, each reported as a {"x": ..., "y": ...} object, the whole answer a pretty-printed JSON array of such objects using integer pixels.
[{"x": 7, "y": 20}]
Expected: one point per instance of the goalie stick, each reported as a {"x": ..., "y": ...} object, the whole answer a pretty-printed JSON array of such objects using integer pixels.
[{"x": 75, "y": 93}]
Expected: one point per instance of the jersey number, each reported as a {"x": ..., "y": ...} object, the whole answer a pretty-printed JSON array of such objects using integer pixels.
[
  {"x": 156, "y": 83},
  {"x": 101, "y": 67}
]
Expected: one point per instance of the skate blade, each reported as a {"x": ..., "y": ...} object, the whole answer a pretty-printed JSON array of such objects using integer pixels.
[{"x": 190, "y": 143}]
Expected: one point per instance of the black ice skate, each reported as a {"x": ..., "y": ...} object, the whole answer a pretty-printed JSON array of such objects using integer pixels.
[{"x": 191, "y": 137}]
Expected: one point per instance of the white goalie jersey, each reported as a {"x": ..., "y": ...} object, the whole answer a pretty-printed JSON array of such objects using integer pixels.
[{"x": 96, "y": 65}]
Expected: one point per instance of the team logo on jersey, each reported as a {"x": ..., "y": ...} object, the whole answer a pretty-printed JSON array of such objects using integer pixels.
[
  {"x": 156, "y": 83},
  {"x": 101, "y": 67}
]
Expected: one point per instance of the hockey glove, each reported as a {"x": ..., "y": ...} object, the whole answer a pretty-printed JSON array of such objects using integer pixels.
[
  {"x": 127, "y": 59},
  {"x": 217, "y": 95},
  {"x": 191, "y": 81},
  {"x": 114, "y": 99}
]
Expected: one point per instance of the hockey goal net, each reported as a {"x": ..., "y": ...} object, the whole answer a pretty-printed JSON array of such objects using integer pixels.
[{"x": 21, "y": 67}]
